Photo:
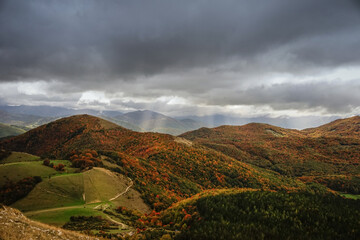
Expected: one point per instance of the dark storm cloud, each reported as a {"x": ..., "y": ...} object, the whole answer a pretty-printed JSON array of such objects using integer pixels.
[
  {"x": 335, "y": 97},
  {"x": 92, "y": 40},
  {"x": 206, "y": 51}
]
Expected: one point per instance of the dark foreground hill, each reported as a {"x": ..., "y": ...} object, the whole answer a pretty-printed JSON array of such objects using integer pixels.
[
  {"x": 251, "y": 214},
  {"x": 164, "y": 168}
]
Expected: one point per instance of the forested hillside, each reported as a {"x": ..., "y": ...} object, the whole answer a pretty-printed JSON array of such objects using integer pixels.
[
  {"x": 255, "y": 181},
  {"x": 311, "y": 152},
  {"x": 165, "y": 169}
]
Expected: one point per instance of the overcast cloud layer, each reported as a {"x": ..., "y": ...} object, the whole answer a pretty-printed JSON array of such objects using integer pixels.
[{"x": 277, "y": 57}]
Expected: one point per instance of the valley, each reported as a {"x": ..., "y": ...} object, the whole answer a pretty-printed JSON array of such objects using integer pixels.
[{"x": 122, "y": 183}]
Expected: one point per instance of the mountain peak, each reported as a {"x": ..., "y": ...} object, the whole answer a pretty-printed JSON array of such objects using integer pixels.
[
  {"x": 88, "y": 119},
  {"x": 51, "y": 137}
]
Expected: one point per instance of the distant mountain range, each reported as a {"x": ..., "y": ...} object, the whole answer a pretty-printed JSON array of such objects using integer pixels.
[
  {"x": 146, "y": 121},
  {"x": 155, "y": 122},
  {"x": 285, "y": 122},
  {"x": 46, "y": 111},
  {"x": 141, "y": 121},
  {"x": 26, "y": 121}
]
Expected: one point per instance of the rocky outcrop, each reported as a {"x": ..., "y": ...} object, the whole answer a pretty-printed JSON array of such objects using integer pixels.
[{"x": 14, "y": 226}]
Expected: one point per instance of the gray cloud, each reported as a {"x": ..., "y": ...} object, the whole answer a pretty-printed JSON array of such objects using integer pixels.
[
  {"x": 208, "y": 51},
  {"x": 120, "y": 39},
  {"x": 335, "y": 97}
]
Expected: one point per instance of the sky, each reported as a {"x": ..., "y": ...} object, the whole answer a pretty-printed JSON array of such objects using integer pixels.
[{"x": 189, "y": 57}]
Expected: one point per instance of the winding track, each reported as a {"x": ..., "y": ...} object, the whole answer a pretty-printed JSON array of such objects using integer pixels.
[
  {"x": 126, "y": 190},
  {"x": 51, "y": 209},
  {"x": 79, "y": 206}
]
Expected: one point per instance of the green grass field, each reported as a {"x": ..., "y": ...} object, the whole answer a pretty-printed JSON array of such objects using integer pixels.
[
  {"x": 58, "y": 191},
  {"x": 64, "y": 194},
  {"x": 351, "y": 196},
  {"x": 101, "y": 185},
  {"x": 16, "y": 171},
  {"x": 20, "y": 170},
  {"x": 94, "y": 186},
  {"x": 61, "y": 216},
  {"x": 10, "y": 130},
  {"x": 56, "y": 199},
  {"x": 20, "y": 157}
]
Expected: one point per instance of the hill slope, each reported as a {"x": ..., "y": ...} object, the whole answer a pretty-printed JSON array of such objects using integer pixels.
[
  {"x": 289, "y": 152},
  {"x": 14, "y": 225},
  {"x": 8, "y": 130},
  {"x": 52, "y": 138},
  {"x": 249, "y": 214},
  {"x": 348, "y": 127},
  {"x": 164, "y": 169}
]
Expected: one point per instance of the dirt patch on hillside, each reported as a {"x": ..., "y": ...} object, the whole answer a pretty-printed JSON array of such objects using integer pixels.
[{"x": 183, "y": 141}]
